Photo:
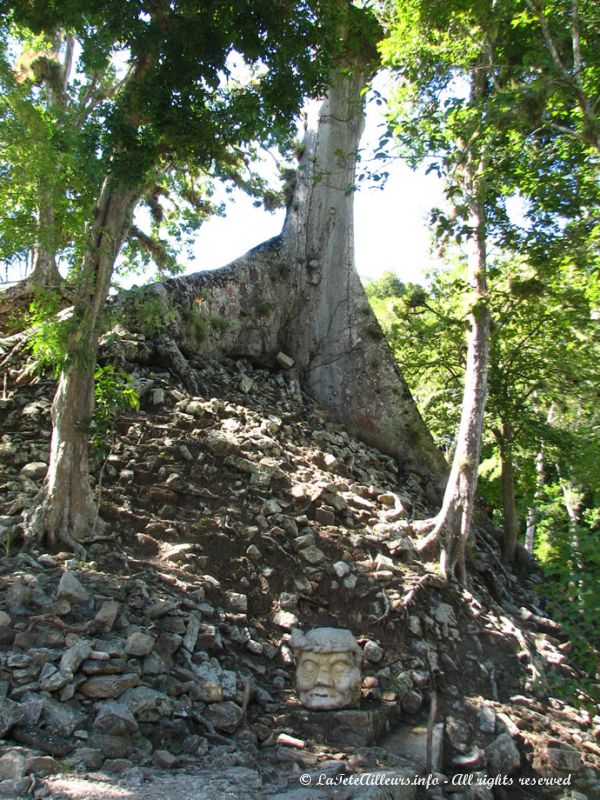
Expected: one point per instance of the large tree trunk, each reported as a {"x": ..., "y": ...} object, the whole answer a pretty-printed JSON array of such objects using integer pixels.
[
  {"x": 64, "y": 511},
  {"x": 300, "y": 293},
  {"x": 343, "y": 359}
]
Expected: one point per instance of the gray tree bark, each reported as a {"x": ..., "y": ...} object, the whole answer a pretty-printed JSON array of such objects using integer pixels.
[
  {"x": 572, "y": 497},
  {"x": 300, "y": 293},
  {"x": 532, "y": 511},
  {"x": 452, "y": 525},
  {"x": 510, "y": 521},
  {"x": 64, "y": 511}
]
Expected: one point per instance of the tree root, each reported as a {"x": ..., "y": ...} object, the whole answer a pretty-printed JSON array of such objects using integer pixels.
[
  {"x": 430, "y": 531},
  {"x": 49, "y": 619},
  {"x": 429, "y": 579},
  {"x": 211, "y": 732},
  {"x": 15, "y": 343},
  {"x": 386, "y": 606},
  {"x": 431, "y": 718},
  {"x": 172, "y": 357},
  {"x": 38, "y": 527}
]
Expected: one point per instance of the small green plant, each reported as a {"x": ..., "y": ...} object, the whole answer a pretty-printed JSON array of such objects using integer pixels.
[
  {"x": 263, "y": 308},
  {"x": 49, "y": 334},
  {"x": 148, "y": 314},
  {"x": 7, "y": 541},
  {"x": 195, "y": 321},
  {"x": 374, "y": 332},
  {"x": 220, "y": 323},
  {"x": 67, "y": 767},
  {"x": 113, "y": 394}
]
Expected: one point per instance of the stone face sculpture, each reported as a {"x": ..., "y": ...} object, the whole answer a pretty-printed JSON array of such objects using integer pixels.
[{"x": 327, "y": 668}]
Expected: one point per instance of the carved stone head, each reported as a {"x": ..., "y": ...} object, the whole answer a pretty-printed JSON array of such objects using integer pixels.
[{"x": 327, "y": 668}]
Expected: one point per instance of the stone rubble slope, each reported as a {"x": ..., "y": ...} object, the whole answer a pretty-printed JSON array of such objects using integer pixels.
[{"x": 231, "y": 518}]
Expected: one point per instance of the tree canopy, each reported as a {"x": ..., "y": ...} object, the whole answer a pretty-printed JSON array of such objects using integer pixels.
[{"x": 128, "y": 101}]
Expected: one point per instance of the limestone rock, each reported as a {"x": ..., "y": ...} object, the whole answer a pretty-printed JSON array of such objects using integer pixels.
[
  {"x": 487, "y": 719},
  {"x": 225, "y": 716},
  {"x": 246, "y": 384},
  {"x": 61, "y": 718},
  {"x": 15, "y": 787},
  {"x": 191, "y": 633},
  {"x": 139, "y": 644},
  {"x": 564, "y": 758},
  {"x": 220, "y": 444},
  {"x": 164, "y": 759},
  {"x": 147, "y": 705},
  {"x": 35, "y": 469},
  {"x": 106, "y": 615},
  {"x": 444, "y": 614},
  {"x": 285, "y": 619},
  {"x": 372, "y": 652},
  {"x": 209, "y": 688},
  {"x": 12, "y": 765},
  {"x": 237, "y": 602},
  {"x": 341, "y": 569},
  {"x": 161, "y": 609},
  {"x": 42, "y": 765},
  {"x": 11, "y": 714},
  {"x": 18, "y": 596},
  {"x": 325, "y": 516},
  {"x": 89, "y": 757},
  {"x": 70, "y": 588},
  {"x": 502, "y": 755},
  {"x": 240, "y": 464},
  {"x": 52, "y": 679},
  {"x": 103, "y": 687},
  {"x": 412, "y": 701},
  {"x": 411, "y": 742},
  {"x": 313, "y": 555},
  {"x": 115, "y": 719},
  {"x": 111, "y": 746},
  {"x": 284, "y": 361},
  {"x": 457, "y": 732},
  {"x": 74, "y": 657},
  {"x": 116, "y": 766}
]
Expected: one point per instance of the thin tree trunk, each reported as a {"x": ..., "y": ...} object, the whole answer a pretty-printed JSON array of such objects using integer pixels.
[
  {"x": 452, "y": 525},
  {"x": 453, "y": 522},
  {"x": 45, "y": 271},
  {"x": 64, "y": 511},
  {"x": 532, "y": 511},
  {"x": 510, "y": 522},
  {"x": 459, "y": 498},
  {"x": 572, "y": 502}
]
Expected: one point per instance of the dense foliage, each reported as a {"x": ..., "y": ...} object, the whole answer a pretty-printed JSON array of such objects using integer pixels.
[
  {"x": 115, "y": 106},
  {"x": 157, "y": 96},
  {"x": 543, "y": 390}
]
